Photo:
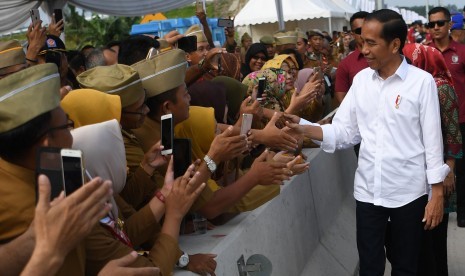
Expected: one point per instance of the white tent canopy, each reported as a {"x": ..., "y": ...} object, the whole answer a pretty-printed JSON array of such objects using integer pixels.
[
  {"x": 264, "y": 11},
  {"x": 13, "y": 13}
]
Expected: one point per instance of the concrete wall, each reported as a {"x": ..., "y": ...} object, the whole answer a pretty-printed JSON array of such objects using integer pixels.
[{"x": 309, "y": 229}]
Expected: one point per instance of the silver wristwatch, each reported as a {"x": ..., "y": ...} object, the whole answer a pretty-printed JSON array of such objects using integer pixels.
[
  {"x": 210, "y": 164},
  {"x": 183, "y": 260}
]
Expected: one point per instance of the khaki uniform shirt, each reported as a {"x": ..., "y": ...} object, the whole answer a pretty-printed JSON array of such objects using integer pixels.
[
  {"x": 17, "y": 204},
  {"x": 140, "y": 187}
]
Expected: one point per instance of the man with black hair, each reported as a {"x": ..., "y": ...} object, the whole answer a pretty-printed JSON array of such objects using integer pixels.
[
  {"x": 135, "y": 48},
  {"x": 454, "y": 54},
  {"x": 354, "y": 62},
  {"x": 95, "y": 58},
  {"x": 393, "y": 109}
]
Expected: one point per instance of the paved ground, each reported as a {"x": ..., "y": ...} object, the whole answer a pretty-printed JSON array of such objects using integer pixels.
[{"x": 455, "y": 249}]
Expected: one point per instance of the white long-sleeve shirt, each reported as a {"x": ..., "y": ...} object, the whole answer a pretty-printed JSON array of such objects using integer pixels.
[{"x": 398, "y": 120}]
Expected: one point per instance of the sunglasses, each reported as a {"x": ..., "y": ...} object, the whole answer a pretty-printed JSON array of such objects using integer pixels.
[
  {"x": 440, "y": 23},
  {"x": 357, "y": 31}
]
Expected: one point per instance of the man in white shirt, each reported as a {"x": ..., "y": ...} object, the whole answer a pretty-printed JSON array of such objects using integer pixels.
[{"x": 393, "y": 108}]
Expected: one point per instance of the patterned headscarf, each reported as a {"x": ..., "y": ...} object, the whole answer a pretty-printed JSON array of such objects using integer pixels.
[
  {"x": 430, "y": 60},
  {"x": 278, "y": 61},
  {"x": 274, "y": 88}
]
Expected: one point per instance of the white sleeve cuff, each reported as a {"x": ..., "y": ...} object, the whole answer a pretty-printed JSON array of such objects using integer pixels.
[
  {"x": 437, "y": 175},
  {"x": 329, "y": 138},
  {"x": 304, "y": 122}
]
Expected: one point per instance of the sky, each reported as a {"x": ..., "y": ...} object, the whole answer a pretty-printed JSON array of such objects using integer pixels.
[{"x": 404, "y": 3}]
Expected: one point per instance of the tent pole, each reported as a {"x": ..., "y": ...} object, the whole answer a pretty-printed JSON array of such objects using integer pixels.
[
  {"x": 279, "y": 11},
  {"x": 330, "y": 25}
]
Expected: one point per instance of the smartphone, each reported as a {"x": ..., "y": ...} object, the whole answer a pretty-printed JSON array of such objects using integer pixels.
[
  {"x": 167, "y": 134},
  {"x": 58, "y": 13},
  {"x": 317, "y": 71},
  {"x": 188, "y": 44},
  {"x": 199, "y": 6},
  {"x": 182, "y": 156},
  {"x": 49, "y": 163},
  {"x": 246, "y": 123},
  {"x": 35, "y": 16},
  {"x": 261, "y": 88},
  {"x": 73, "y": 170},
  {"x": 224, "y": 22}
]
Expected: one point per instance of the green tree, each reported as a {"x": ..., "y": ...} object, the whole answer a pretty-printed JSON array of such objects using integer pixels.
[{"x": 97, "y": 31}]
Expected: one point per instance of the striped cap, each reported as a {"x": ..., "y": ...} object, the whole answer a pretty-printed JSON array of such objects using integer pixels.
[
  {"x": 198, "y": 32},
  {"x": 11, "y": 53},
  {"x": 282, "y": 37},
  {"x": 27, "y": 94},
  {"x": 117, "y": 79},
  {"x": 162, "y": 72}
]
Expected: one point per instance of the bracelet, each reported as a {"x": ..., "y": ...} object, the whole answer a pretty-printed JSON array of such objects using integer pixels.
[
  {"x": 32, "y": 60},
  {"x": 140, "y": 165},
  {"x": 160, "y": 196}
]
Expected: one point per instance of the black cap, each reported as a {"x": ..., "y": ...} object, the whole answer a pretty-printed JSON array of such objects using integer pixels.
[{"x": 52, "y": 43}]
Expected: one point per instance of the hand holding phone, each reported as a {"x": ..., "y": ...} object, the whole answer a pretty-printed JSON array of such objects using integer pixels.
[
  {"x": 58, "y": 15},
  {"x": 246, "y": 123},
  {"x": 167, "y": 134},
  {"x": 261, "y": 88}
]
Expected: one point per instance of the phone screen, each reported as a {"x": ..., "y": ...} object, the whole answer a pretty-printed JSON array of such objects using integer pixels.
[
  {"x": 261, "y": 88},
  {"x": 182, "y": 156},
  {"x": 72, "y": 174},
  {"x": 228, "y": 23},
  {"x": 167, "y": 135},
  {"x": 188, "y": 44},
  {"x": 246, "y": 123},
  {"x": 58, "y": 16},
  {"x": 49, "y": 164}
]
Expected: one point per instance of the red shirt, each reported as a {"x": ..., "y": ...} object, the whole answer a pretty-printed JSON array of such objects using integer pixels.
[
  {"x": 347, "y": 69},
  {"x": 455, "y": 61}
]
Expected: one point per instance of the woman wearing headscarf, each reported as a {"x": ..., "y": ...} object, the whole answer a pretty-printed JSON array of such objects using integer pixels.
[
  {"x": 104, "y": 155},
  {"x": 433, "y": 259},
  {"x": 210, "y": 94},
  {"x": 236, "y": 92},
  {"x": 255, "y": 58},
  {"x": 280, "y": 74}
]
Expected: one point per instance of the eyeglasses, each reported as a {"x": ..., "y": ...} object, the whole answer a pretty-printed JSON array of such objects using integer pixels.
[
  {"x": 357, "y": 31},
  {"x": 291, "y": 71},
  {"x": 69, "y": 125},
  {"x": 440, "y": 23},
  {"x": 259, "y": 57},
  {"x": 140, "y": 110}
]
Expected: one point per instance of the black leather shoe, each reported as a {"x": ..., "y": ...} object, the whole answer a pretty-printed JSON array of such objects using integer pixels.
[{"x": 461, "y": 221}]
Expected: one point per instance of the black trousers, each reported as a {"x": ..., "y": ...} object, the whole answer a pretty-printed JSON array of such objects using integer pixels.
[
  {"x": 433, "y": 256},
  {"x": 460, "y": 173},
  {"x": 405, "y": 240}
]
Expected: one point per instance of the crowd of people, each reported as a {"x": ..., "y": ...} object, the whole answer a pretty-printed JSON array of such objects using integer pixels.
[{"x": 401, "y": 98}]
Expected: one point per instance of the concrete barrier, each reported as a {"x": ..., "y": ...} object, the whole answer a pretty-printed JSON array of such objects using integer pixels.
[{"x": 309, "y": 229}]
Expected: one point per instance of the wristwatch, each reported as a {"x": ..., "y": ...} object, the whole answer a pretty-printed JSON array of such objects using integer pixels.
[
  {"x": 210, "y": 164},
  {"x": 183, "y": 260}
]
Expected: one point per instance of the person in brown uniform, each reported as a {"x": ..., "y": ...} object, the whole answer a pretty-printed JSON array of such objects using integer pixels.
[{"x": 31, "y": 118}]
